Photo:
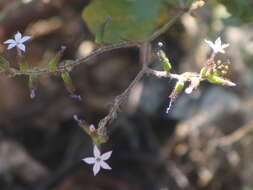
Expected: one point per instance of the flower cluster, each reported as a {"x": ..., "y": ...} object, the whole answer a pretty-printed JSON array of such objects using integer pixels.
[{"x": 212, "y": 71}]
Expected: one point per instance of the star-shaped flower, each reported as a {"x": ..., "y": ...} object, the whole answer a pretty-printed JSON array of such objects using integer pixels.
[
  {"x": 217, "y": 46},
  {"x": 17, "y": 41},
  {"x": 98, "y": 160}
]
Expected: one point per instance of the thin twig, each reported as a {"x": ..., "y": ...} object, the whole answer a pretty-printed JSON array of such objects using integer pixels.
[
  {"x": 61, "y": 68},
  {"x": 163, "y": 74},
  {"x": 144, "y": 51},
  {"x": 119, "y": 100},
  {"x": 165, "y": 27}
]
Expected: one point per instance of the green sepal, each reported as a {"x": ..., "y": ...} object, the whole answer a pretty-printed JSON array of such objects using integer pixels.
[
  {"x": 203, "y": 72},
  {"x": 177, "y": 89},
  {"x": 164, "y": 60},
  {"x": 85, "y": 128},
  {"x": 219, "y": 80},
  {"x": 4, "y": 65},
  {"x": 68, "y": 81}
]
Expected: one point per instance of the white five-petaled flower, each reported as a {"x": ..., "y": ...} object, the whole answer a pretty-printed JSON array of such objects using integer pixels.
[
  {"x": 98, "y": 160},
  {"x": 217, "y": 46},
  {"x": 17, "y": 41}
]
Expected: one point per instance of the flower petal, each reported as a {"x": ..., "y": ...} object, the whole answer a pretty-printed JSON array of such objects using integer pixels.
[
  {"x": 96, "y": 151},
  {"x": 18, "y": 36},
  {"x": 106, "y": 155},
  {"x": 224, "y": 46},
  {"x": 105, "y": 165},
  {"x": 10, "y": 41},
  {"x": 211, "y": 44},
  {"x": 217, "y": 41},
  {"x": 11, "y": 46},
  {"x": 92, "y": 128},
  {"x": 96, "y": 168},
  {"x": 24, "y": 39},
  {"x": 22, "y": 47},
  {"x": 89, "y": 160}
]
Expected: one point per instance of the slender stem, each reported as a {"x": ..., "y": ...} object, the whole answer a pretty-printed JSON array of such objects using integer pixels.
[
  {"x": 165, "y": 27},
  {"x": 163, "y": 74},
  {"x": 77, "y": 62}
]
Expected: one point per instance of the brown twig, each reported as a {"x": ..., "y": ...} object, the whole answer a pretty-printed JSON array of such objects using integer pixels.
[
  {"x": 163, "y": 74},
  {"x": 144, "y": 51},
  {"x": 61, "y": 68}
]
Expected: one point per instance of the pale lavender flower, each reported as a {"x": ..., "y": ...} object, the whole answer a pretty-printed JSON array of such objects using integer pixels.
[
  {"x": 17, "y": 41},
  {"x": 217, "y": 46},
  {"x": 92, "y": 128},
  {"x": 98, "y": 160}
]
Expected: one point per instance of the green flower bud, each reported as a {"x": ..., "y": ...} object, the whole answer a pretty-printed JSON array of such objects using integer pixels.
[
  {"x": 68, "y": 82},
  {"x": 164, "y": 60},
  {"x": 177, "y": 90},
  {"x": 203, "y": 72},
  {"x": 219, "y": 80}
]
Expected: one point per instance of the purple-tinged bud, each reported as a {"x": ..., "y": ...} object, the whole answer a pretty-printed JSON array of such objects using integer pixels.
[
  {"x": 32, "y": 94},
  {"x": 75, "y": 96},
  {"x": 193, "y": 85},
  {"x": 75, "y": 117},
  {"x": 160, "y": 44},
  {"x": 33, "y": 81},
  {"x": 92, "y": 128}
]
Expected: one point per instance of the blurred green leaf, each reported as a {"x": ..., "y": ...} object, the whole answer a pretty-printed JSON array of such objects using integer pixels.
[
  {"x": 240, "y": 10},
  {"x": 130, "y": 19}
]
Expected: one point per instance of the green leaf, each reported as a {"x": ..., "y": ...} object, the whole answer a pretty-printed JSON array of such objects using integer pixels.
[{"x": 130, "y": 19}]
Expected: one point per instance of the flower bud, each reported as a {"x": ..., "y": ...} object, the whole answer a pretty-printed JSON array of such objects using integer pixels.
[
  {"x": 68, "y": 82},
  {"x": 164, "y": 60},
  {"x": 203, "y": 72},
  {"x": 219, "y": 80},
  {"x": 32, "y": 85},
  {"x": 174, "y": 94},
  {"x": 193, "y": 85}
]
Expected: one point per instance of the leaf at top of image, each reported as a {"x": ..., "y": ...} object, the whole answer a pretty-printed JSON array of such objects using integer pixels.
[{"x": 129, "y": 19}]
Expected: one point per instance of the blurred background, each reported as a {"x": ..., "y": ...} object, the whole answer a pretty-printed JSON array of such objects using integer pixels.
[{"x": 205, "y": 142}]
